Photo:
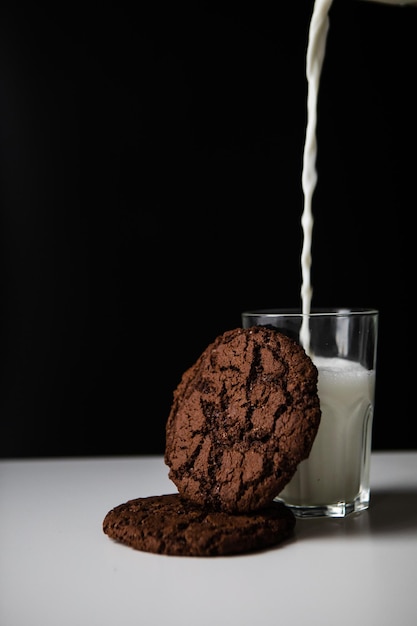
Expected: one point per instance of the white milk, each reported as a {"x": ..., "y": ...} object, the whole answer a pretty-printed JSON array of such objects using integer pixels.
[{"x": 337, "y": 469}]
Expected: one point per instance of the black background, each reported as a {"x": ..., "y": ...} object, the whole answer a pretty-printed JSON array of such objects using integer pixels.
[{"x": 151, "y": 191}]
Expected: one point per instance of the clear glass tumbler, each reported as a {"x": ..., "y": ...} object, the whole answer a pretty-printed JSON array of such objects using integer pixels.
[{"x": 335, "y": 480}]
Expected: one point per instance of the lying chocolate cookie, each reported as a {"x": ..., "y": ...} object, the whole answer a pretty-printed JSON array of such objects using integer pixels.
[
  {"x": 170, "y": 525},
  {"x": 242, "y": 418}
]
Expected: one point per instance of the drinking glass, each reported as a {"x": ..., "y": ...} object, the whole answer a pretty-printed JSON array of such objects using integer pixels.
[{"x": 335, "y": 479}]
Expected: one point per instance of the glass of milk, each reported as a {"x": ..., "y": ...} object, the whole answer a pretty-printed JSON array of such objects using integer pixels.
[{"x": 334, "y": 480}]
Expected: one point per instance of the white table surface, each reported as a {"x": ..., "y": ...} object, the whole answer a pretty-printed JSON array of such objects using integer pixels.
[{"x": 58, "y": 568}]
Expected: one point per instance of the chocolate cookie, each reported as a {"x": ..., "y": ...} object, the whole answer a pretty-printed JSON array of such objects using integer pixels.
[
  {"x": 242, "y": 418},
  {"x": 170, "y": 525}
]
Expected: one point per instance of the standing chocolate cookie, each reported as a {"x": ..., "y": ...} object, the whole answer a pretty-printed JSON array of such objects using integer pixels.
[
  {"x": 242, "y": 418},
  {"x": 170, "y": 525}
]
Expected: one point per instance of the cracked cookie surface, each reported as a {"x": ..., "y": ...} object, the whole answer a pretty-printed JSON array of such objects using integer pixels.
[
  {"x": 242, "y": 418},
  {"x": 169, "y": 525}
]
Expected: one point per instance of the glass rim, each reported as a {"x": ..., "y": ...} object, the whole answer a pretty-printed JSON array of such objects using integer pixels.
[{"x": 314, "y": 312}]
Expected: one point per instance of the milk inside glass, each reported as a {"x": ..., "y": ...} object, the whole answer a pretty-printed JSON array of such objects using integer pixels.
[{"x": 337, "y": 470}]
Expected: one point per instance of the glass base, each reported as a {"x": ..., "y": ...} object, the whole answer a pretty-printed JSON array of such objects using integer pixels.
[{"x": 338, "y": 509}]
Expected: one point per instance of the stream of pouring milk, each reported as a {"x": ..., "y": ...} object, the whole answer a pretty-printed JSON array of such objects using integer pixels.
[
  {"x": 319, "y": 26},
  {"x": 337, "y": 470}
]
